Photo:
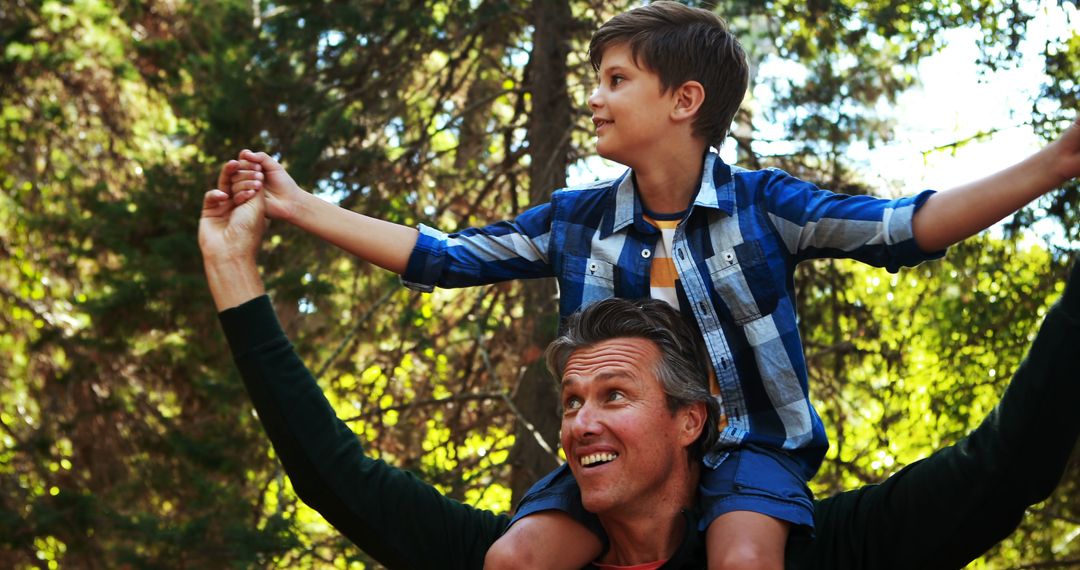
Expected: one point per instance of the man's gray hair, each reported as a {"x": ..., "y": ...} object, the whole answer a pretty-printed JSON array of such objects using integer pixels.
[{"x": 683, "y": 366}]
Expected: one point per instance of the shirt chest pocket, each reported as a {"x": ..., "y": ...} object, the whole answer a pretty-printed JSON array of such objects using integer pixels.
[
  {"x": 595, "y": 277},
  {"x": 743, "y": 281}
]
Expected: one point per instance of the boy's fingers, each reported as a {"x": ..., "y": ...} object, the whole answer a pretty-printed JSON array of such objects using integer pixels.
[
  {"x": 245, "y": 185},
  {"x": 262, "y": 158},
  {"x": 246, "y": 175},
  {"x": 243, "y": 165}
]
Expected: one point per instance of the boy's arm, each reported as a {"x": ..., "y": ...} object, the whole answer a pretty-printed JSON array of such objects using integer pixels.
[
  {"x": 815, "y": 223},
  {"x": 956, "y": 214},
  {"x": 383, "y": 243},
  {"x": 475, "y": 256}
]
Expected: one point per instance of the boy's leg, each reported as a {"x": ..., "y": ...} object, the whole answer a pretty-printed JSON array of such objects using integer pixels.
[
  {"x": 746, "y": 540},
  {"x": 547, "y": 539},
  {"x": 550, "y": 514},
  {"x": 946, "y": 510},
  {"x": 749, "y": 503}
]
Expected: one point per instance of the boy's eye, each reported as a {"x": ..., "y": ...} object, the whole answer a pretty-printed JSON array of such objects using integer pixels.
[{"x": 616, "y": 79}]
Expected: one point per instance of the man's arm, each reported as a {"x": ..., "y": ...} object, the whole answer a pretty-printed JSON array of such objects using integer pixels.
[
  {"x": 229, "y": 237},
  {"x": 388, "y": 513},
  {"x": 391, "y": 515},
  {"x": 956, "y": 214},
  {"x": 948, "y": 509}
]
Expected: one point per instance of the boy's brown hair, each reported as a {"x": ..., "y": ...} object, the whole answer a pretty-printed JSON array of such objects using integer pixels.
[{"x": 679, "y": 44}]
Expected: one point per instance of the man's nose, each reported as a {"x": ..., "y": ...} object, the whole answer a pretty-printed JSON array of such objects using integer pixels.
[{"x": 586, "y": 422}]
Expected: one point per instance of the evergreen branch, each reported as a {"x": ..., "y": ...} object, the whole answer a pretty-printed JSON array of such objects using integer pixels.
[{"x": 352, "y": 333}]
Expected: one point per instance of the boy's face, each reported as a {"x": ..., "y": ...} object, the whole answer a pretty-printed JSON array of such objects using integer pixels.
[{"x": 630, "y": 111}]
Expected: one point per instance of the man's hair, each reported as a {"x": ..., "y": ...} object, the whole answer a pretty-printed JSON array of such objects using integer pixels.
[
  {"x": 679, "y": 44},
  {"x": 682, "y": 368}
]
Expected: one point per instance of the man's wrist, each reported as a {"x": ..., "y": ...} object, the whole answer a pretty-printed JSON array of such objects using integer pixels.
[{"x": 233, "y": 280}]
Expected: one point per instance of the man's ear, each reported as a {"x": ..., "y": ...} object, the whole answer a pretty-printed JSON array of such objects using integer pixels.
[
  {"x": 688, "y": 100},
  {"x": 693, "y": 421}
]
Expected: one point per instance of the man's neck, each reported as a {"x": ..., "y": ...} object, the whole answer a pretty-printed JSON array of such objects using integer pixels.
[
  {"x": 643, "y": 540},
  {"x": 667, "y": 183},
  {"x": 653, "y": 527}
]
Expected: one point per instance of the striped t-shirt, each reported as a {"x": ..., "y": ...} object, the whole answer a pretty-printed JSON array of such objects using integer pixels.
[{"x": 662, "y": 274}]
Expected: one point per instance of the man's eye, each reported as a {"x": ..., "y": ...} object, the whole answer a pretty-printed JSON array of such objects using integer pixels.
[
  {"x": 572, "y": 403},
  {"x": 615, "y": 396}
]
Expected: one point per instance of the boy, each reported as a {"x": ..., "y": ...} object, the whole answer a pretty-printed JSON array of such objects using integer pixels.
[{"x": 715, "y": 241}]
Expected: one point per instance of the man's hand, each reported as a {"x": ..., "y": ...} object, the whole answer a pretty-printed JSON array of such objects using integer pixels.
[
  {"x": 1066, "y": 152},
  {"x": 228, "y": 230},
  {"x": 229, "y": 237},
  {"x": 254, "y": 171}
]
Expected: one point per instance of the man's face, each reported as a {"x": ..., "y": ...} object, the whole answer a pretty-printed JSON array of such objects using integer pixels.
[
  {"x": 620, "y": 438},
  {"x": 630, "y": 112}
]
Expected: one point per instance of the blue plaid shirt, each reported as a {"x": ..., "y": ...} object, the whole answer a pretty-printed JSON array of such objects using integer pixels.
[{"x": 735, "y": 253}]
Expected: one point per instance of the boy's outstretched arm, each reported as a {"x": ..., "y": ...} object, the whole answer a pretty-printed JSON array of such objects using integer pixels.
[
  {"x": 383, "y": 243},
  {"x": 958, "y": 213}
]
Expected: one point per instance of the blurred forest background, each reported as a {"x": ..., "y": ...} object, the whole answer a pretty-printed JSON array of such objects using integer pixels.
[{"x": 126, "y": 439}]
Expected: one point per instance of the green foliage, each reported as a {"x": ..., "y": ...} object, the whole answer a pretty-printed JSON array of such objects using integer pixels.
[{"x": 127, "y": 440}]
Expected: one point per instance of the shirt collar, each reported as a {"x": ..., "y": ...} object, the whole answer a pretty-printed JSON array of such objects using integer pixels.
[{"x": 717, "y": 191}]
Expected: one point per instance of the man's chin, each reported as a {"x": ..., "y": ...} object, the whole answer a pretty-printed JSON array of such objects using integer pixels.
[
  {"x": 598, "y": 500},
  {"x": 595, "y": 505}
]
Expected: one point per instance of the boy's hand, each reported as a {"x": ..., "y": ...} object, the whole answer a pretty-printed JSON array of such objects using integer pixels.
[{"x": 254, "y": 171}]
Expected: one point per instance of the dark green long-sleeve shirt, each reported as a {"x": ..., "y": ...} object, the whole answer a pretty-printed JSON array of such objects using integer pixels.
[{"x": 941, "y": 512}]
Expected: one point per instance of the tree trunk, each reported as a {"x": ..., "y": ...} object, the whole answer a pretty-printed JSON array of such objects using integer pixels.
[{"x": 550, "y": 124}]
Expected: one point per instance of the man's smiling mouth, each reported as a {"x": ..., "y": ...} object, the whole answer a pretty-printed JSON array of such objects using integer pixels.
[{"x": 597, "y": 459}]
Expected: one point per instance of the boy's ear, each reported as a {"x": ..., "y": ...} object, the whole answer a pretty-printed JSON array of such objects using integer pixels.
[{"x": 688, "y": 100}]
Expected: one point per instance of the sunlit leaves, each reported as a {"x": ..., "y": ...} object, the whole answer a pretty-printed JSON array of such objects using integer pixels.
[
  {"x": 125, "y": 438},
  {"x": 905, "y": 364}
]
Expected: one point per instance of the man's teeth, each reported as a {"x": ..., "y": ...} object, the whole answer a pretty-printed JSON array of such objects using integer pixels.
[{"x": 597, "y": 458}]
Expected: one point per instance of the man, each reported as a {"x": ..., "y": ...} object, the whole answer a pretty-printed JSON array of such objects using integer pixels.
[{"x": 938, "y": 513}]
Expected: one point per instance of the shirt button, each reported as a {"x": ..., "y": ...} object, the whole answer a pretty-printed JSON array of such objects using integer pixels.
[
  {"x": 646, "y": 253},
  {"x": 592, "y": 268},
  {"x": 729, "y": 257}
]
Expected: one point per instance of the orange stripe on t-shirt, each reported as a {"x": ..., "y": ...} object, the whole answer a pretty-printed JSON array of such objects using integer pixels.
[{"x": 662, "y": 273}]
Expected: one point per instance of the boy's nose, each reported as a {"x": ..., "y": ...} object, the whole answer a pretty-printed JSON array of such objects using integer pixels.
[{"x": 594, "y": 99}]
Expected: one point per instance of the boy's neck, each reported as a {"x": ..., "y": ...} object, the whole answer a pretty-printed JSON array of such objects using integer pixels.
[
  {"x": 667, "y": 184},
  {"x": 667, "y": 180}
]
